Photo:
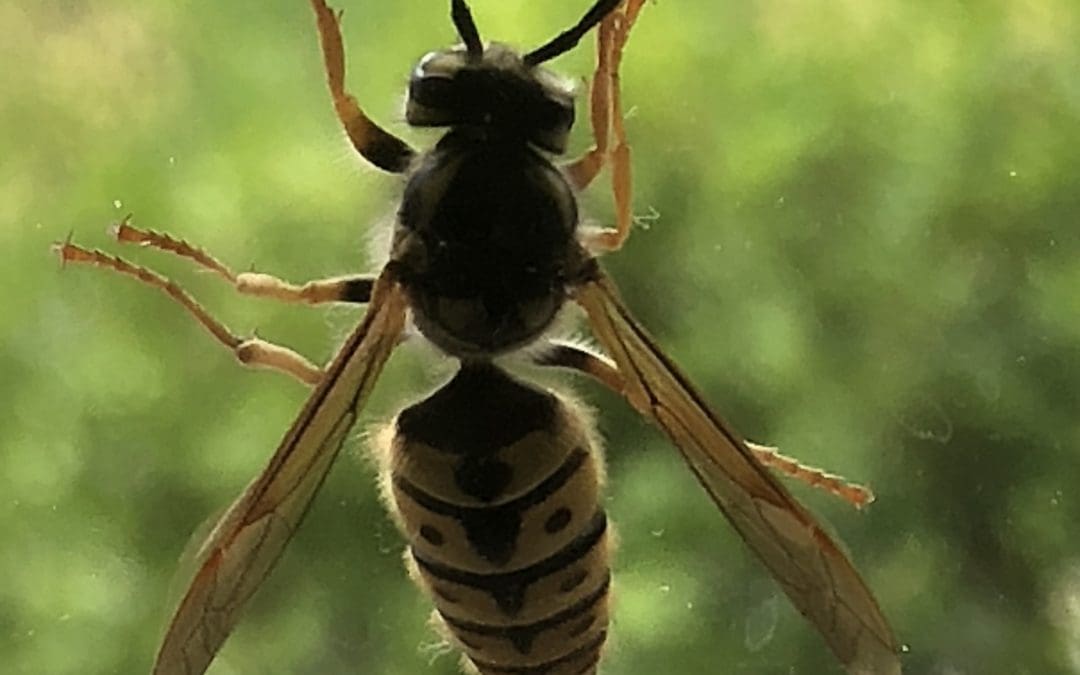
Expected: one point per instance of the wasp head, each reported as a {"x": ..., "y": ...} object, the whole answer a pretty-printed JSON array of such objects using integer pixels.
[{"x": 496, "y": 90}]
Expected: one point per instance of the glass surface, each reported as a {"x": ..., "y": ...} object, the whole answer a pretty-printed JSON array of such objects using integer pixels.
[{"x": 858, "y": 232}]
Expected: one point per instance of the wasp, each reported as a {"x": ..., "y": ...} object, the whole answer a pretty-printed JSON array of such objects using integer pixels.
[{"x": 495, "y": 482}]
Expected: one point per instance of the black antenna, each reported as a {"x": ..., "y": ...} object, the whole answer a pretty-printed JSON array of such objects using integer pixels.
[
  {"x": 466, "y": 28},
  {"x": 568, "y": 39}
]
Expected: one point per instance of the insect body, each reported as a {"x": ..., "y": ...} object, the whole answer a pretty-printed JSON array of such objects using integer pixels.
[
  {"x": 495, "y": 482},
  {"x": 496, "y": 486}
]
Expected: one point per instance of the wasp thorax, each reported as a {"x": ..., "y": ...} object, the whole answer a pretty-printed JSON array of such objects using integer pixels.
[
  {"x": 495, "y": 91},
  {"x": 486, "y": 243}
]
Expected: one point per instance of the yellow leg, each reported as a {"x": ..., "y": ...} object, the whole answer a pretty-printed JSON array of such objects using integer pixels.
[
  {"x": 355, "y": 288},
  {"x": 606, "y": 115},
  {"x": 375, "y": 144},
  {"x": 598, "y": 367},
  {"x": 252, "y": 352}
]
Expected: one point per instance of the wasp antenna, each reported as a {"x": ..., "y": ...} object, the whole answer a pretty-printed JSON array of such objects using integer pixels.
[
  {"x": 568, "y": 39},
  {"x": 466, "y": 28}
]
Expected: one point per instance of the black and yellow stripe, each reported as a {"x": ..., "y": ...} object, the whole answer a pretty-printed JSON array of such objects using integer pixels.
[{"x": 496, "y": 486}]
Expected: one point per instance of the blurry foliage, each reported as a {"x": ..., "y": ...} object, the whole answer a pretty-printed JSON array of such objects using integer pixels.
[{"x": 861, "y": 239}]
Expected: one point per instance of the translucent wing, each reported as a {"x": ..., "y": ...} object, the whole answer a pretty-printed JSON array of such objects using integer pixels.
[
  {"x": 816, "y": 575},
  {"x": 247, "y": 540}
]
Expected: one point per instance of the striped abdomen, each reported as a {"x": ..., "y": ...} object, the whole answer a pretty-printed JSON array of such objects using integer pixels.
[{"x": 496, "y": 484}]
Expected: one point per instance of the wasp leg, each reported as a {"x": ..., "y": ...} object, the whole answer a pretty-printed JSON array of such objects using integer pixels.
[
  {"x": 852, "y": 493},
  {"x": 375, "y": 144},
  {"x": 353, "y": 288},
  {"x": 584, "y": 169},
  {"x": 602, "y": 369},
  {"x": 574, "y": 357},
  {"x": 252, "y": 352},
  {"x": 606, "y": 116}
]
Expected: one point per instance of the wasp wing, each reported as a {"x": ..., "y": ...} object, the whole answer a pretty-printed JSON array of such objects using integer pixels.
[
  {"x": 248, "y": 539},
  {"x": 816, "y": 575}
]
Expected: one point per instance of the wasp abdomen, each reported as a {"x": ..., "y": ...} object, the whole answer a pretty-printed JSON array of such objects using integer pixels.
[{"x": 496, "y": 486}]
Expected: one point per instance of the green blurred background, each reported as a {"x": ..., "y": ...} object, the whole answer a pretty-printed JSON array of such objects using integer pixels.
[{"x": 859, "y": 233}]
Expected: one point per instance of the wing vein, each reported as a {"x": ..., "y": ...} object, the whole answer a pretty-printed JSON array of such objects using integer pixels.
[
  {"x": 248, "y": 539},
  {"x": 812, "y": 570}
]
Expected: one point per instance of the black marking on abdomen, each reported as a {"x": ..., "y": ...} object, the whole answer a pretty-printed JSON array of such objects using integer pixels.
[
  {"x": 480, "y": 411},
  {"x": 508, "y": 589},
  {"x": 432, "y": 535},
  {"x": 547, "y": 666},
  {"x": 558, "y": 521},
  {"x": 523, "y": 636},
  {"x": 483, "y": 477},
  {"x": 582, "y": 626},
  {"x": 493, "y": 531},
  {"x": 574, "y": 581},
  {"x": 446, "y": 596}
]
